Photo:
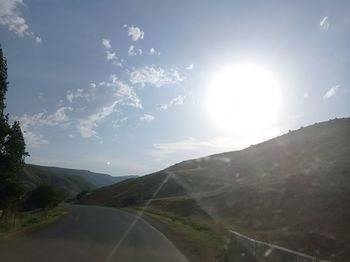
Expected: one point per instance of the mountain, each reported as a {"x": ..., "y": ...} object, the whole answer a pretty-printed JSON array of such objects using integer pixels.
[
  {"x": 73, "y": 181},
  {"x": 96, "y": 179},
  {"x": 293, "y": 190},
  {"x": 33, "y": 176}
]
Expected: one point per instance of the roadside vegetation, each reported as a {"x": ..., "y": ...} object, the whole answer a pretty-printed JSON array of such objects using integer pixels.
[
  {"x": 25, "y": 222},
  {"x": 21, "y": 209},
  {"x": 202, "y": 238}
]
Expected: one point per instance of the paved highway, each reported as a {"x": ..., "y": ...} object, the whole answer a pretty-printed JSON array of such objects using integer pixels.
[{"x": 92, "y": 233}]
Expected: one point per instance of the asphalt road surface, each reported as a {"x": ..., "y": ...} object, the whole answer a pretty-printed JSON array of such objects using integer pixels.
[{"x": 92, "y": 233}]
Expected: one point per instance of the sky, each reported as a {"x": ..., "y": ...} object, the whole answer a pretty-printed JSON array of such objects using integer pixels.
[{"x": 121, "y": 87}]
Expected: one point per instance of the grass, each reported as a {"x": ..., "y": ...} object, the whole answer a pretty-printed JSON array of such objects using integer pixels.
[
  {"x": 25, "y": 222},
  {"x": 201, "y": 233}
]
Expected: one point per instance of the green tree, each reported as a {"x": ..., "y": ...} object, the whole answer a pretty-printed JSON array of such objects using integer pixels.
[
  {"x": 12, "y": 149},
  {"x": 3, "y": 83},
  {"x": 45, "y": 195}
]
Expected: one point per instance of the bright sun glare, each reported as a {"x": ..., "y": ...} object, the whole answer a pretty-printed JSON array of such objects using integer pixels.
[{"x": 243, "y": 98}]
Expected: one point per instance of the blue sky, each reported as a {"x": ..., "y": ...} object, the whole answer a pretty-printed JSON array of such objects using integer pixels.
[{"x": 121, "y": 86}]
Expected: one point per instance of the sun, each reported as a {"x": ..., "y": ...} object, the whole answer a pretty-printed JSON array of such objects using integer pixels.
[{"x": 243, "y": 98}]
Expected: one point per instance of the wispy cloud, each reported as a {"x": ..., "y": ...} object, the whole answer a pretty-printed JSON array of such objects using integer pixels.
[
  {"x": 155, "y": 76},
  {"x": 59, "y": 117},
  {"x": 331, "y": 92},
  {"x": 153, "y": 51},
  {"x": 324, "y": 23},
  {"x": 86, "y": 126},
  {"x": 11, "y": 17},
  {"x": 72, "y": 95},
  {"x": 135, "y": 33},
  {"x": 190, "y": 67},
  {"x": 38, "y": 40},
  {"x": 111, "y": 55},
  {"x": 147, "y": 118},
  {"x": 117, "y": 122},
  {"x": 179, "y": 100},
  {"x": 133, "y": 51},
  {"x": 106, "y": 97},
  {"x": 30, "y": 123},
  {"x": 33, "y": 140},
  {"x": 106, "y": 43}
]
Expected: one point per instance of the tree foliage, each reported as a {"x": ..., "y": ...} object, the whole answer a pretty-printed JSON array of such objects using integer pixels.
[
  {"x": 12, "y": 149},
  {"x": 45, "y": 195}
]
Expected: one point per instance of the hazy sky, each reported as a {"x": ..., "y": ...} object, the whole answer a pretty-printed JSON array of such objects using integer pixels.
[{"x": 121, "y": 86}]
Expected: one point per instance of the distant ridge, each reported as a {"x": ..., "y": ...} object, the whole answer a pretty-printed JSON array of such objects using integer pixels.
[
  {"x": 73, "y": 181},
  {"x": 72, "y": 185},
  {"x": 96, "y": 179}
]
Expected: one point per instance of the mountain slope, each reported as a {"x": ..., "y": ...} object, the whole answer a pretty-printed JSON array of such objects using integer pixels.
[
  {"x": 293, "y": 190},
  {"x": 96, "y": 179},
  {"x": 73, "y": 185}
]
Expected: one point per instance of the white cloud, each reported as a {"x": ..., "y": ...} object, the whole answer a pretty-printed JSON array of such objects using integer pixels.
[
  {"x": 33, "y": 139},
  {"x": 125, "y": 94},
  {"x": 106, "y": 43},
  {"x": 38, "y": 40},
  {"x": 133, "y": 51},
  {"x": 117, "y": 122},
  {"x": 72, "y": 95},
  {"x": 324, "y": 23},
  {"x": 179, "y": 100},
  {"x": 190, "y": 67},
  {"x": 59, "y": 117},
  {"x": 147, "y": 118},
  {"x": 135, "y": 33},
  {"x": 86, "y": 131},
  {"x": 11, "y": 16},
  {"x": 111, "y": 55},
  {"x": 86, "y": 126},
  {"x": 155, "y": 76},
  {"x": 71, "y": 136},
  {"x": 31, "y": 122},
  {"x": 331, "y": 92},
  {"x": 109, "y": 95},
  {"x": 152, "y": 51}
]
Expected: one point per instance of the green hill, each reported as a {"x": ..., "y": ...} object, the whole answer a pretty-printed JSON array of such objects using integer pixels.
[
  {"x": 72, "y": 181},
  {"x": 72, "y": 184},
  {"x": 293, "y": 190},
  {"x": 96, "y": 179}
]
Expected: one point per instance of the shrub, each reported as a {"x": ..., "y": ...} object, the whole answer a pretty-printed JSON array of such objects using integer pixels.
[{"x": 45, "y": 196}]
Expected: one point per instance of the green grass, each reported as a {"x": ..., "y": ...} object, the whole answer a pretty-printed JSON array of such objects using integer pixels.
[
  {"x": 201, "y": 231},
  {"x": 25, "y": 222}
]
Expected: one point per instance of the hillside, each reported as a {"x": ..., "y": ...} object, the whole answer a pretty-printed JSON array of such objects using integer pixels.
[
  {"x": 96, "y": 179},
  {"x": 71, "y": 180},
  {"x": 34, "y": 176},
  {"x": 293, "y": 190}
]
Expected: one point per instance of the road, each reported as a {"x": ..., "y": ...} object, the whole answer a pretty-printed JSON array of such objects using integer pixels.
[{"x": 90, "y": 233}]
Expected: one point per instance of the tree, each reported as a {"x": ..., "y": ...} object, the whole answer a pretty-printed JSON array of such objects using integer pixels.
[
  {"x": 82, "y": 194},
  {"x": 45, "y": 195},
  {"x": 12, "y": 149},
  {"x": 3, "y": 82}
]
